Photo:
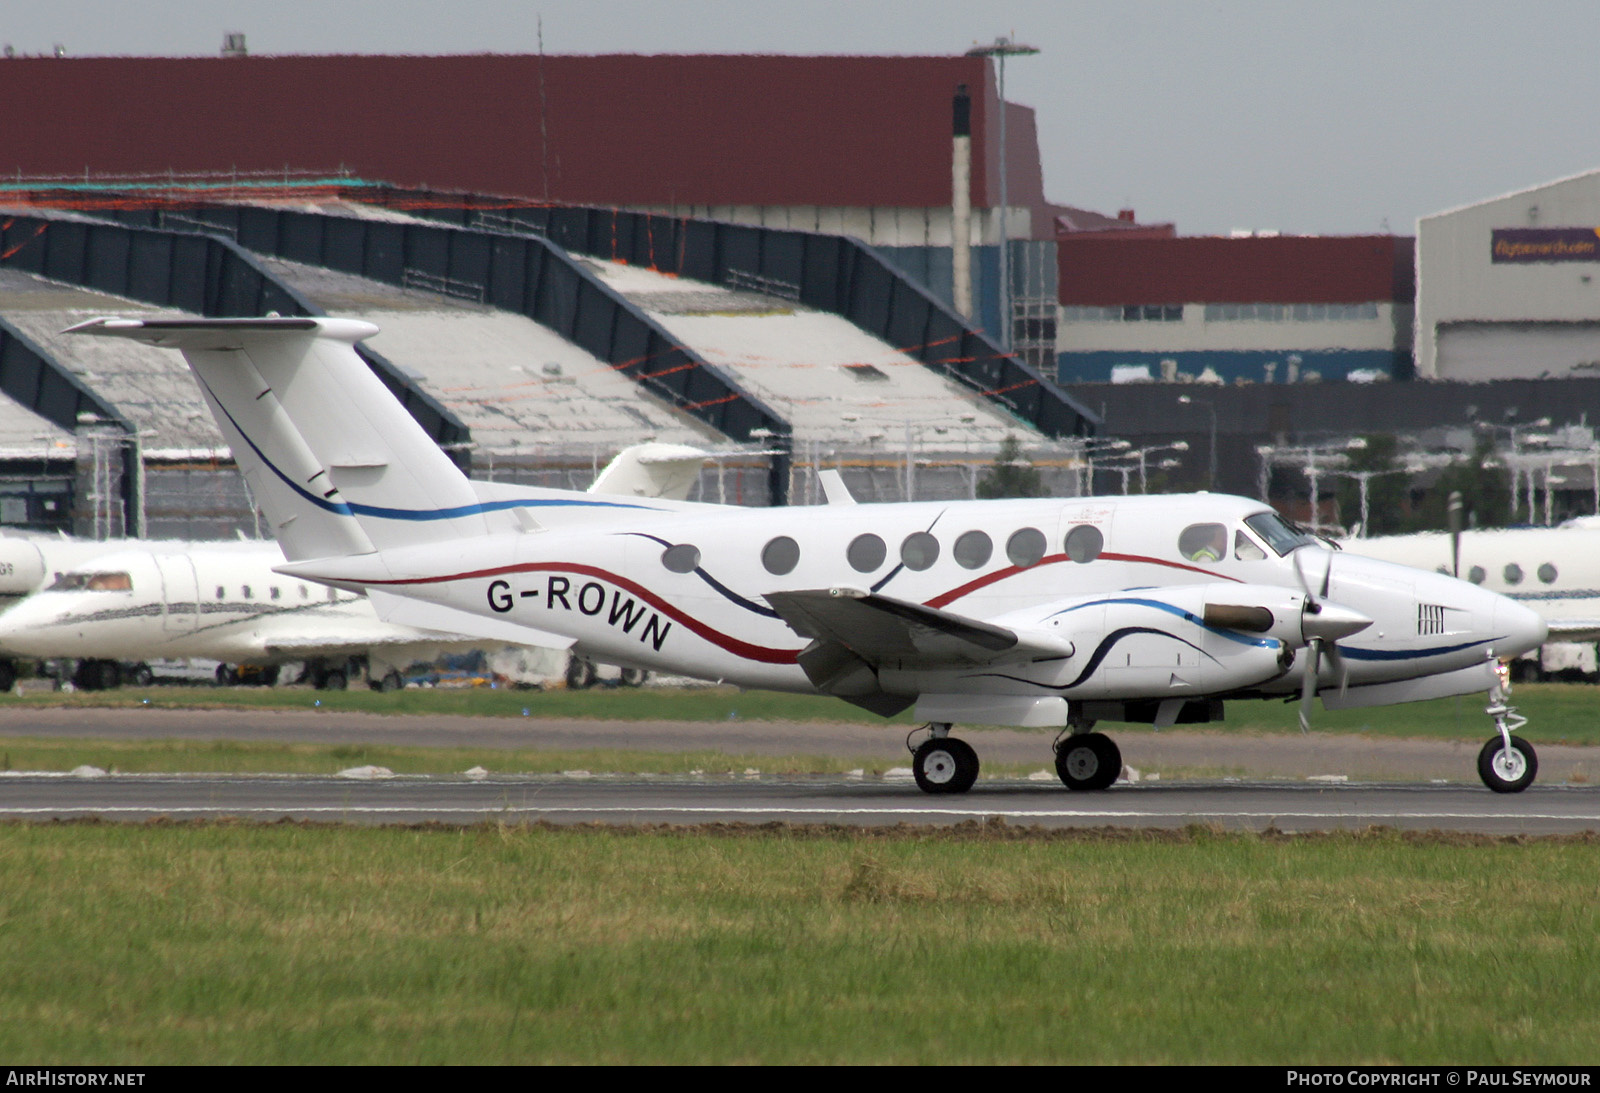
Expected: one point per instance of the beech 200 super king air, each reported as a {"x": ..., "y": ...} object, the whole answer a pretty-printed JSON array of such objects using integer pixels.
[{"x": 1058, "y": 612}]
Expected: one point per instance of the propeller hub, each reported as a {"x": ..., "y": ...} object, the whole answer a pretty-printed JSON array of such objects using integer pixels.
[{"x": 1330, "y": 622}]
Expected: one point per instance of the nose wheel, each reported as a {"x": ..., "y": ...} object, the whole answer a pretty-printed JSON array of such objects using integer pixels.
[
  {"x": 1507, "y": 764},
  {"x": 1088, "y": 760},
  {"x": 944, "y": 764},
  {"x": 1507, "y": 768}
]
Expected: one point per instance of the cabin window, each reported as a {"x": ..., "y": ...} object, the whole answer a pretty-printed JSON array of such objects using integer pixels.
[
  {"x": 1084, "y": 543},
  {"x": 973, "y": 550},
  {"x": 919, "y": 551},
  {"x": 222, "y": 593},
  {"x": 1245, "y": 548},
  {"x": 683, "y": 558},
  {"x": 780, "y": 556},
  {"x": 246, "y": 591},
  {"x": 274, "y": 591},
  {"x": 333, "y": 594},
  {"x": 305, "y": 593},
  {"x": 1203, "y": 542},
  {"x": 1547, "y": 573},
  {"x": 1512, "y": 573},
  {"x": 1025, "y": 547},
  {"x": 866, "y": 553},
  {"x": 1476, "y": 574}
]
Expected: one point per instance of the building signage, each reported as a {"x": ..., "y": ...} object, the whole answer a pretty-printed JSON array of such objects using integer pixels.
[{"x": 1545, "y": 245}]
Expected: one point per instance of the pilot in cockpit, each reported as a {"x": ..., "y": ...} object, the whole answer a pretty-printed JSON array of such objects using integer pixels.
[{"x": 1203, "y": 542}]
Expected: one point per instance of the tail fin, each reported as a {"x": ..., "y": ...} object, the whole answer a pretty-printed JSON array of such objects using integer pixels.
[{"x": 337, "y": 464}]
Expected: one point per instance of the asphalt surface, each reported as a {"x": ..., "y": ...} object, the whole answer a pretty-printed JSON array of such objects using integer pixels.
[
  {"x": 1291, "y": 783},
  {"x": 630, "y": 800}
]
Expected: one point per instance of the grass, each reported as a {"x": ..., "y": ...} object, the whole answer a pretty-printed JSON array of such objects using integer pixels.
[
  {"x": 284, "y": 943},
  {"x": 1559, "y": 713}
]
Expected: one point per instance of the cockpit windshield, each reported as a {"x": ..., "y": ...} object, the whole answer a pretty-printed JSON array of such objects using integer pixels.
[
  {"x": 92, "y": 582},
  {"x": 1279, "y": 534}
]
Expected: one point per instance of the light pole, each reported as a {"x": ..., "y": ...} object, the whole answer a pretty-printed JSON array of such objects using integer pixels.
[
  {"x": 1001, "y": 49},
  {"x": 1211, "y": 408}
]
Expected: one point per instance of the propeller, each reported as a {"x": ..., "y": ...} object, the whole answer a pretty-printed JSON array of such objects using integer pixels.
[{"x": 1323, "y": 624}]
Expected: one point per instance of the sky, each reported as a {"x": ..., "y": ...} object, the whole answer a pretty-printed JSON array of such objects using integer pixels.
[{"x": 1300, "y": 116}]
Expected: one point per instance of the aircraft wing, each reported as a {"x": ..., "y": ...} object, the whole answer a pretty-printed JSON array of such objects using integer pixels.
[
  {"x": 1574, "y": 629},
  {"x": 883, "y": 630}
]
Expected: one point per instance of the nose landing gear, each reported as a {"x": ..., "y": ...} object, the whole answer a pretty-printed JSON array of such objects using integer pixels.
[{"x": 1507, "y": 764}]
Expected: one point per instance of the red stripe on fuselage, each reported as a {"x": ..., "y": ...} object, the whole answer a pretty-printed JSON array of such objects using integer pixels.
[{"x": 745, "y": 649}]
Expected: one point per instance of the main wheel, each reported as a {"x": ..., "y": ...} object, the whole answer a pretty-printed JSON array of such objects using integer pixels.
[
  {"x": 140, "y": 675},
  {"x": 227, "y": 675},
  {"x": 580, "y": 674},
  {"x": 8, "y": 674},
  {"x": 633, "y": 677},
  {"x": 391, "y": 681},
  {"x": 1507, "y": 770},
  {"x": 1089, "y": 760},
  {"x": 334, "y": 681},
  {"x": 945, "y": 765}
]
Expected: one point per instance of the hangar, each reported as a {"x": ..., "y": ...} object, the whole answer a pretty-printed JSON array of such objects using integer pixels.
[{"x": 1507, "y": 287}]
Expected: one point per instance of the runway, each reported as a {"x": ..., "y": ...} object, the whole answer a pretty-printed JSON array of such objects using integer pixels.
[
  {"x": 630, "y": 800},
  {"x": 1291, "y": 783}
]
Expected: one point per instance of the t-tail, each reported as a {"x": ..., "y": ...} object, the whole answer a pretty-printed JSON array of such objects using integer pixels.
[{"x": 335, "y": 462}]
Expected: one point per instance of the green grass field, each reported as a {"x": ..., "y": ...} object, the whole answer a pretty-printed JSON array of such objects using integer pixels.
[{"x": 291, "y": 944}]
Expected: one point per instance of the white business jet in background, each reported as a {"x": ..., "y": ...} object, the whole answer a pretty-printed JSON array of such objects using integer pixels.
[
  {"x": 1553, "y": 571},
  {"x": 112, "y": 603},
  {"x": 1057, "y": 613}
]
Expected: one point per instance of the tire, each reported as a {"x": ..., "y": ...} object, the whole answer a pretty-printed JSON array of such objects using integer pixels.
[
  {"x": 334, "y": 681},
  {"x": 226, "y": 675},
  {"x": 391, "y": 682},
  {"x": 580, "y": 674},
  {"x": 139, "y": 675},
  {"x": 634, "y": 677},
  {"x": 1511, "y": 774},
  {"x": 1087, "y": 761},
  {"x": 945, "y": 765},
  {"x": 267, "y": 677},
  {"x": 8, "y": 674}
]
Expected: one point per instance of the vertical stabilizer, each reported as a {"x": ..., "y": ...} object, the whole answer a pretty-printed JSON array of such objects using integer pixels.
[{"x": 337, "y": 465}]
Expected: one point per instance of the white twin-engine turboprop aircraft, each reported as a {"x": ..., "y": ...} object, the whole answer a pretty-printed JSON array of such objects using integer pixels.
[{"x": 1054, "y": 613}]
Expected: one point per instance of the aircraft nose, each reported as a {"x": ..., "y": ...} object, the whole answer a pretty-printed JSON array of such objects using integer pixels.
[{"x": 1522, "y": 629}]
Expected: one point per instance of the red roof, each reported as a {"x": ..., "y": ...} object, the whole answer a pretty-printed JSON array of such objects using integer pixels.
[
  {"x": 1109, "y": 269},
  {"x": 622, "y": 130}
]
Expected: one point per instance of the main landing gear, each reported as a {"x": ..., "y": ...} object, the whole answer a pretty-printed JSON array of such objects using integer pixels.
[
  {"x": 1088, "y": 760},
  {"x": 941, "y": 763},
  {"x": 1507, "y": 764}
]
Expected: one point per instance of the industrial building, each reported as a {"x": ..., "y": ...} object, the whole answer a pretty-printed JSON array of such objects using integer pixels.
[
  {"x": 1507, "y": 287},
  {"x": 1257, "y": 309}
]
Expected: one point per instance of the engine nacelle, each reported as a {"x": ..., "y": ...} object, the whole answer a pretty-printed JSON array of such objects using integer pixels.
[{"x": 1159, "y": 643}]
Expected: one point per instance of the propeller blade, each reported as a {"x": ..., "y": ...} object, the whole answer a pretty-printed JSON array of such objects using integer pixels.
[
  {"x": 1336, "y": 659},
  {"x": 1308, "y": 683}
]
